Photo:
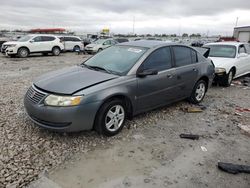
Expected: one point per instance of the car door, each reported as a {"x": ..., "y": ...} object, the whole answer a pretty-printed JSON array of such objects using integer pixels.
[
  {"x": 242, "y": 61},
  {"x": 35, "y": 44},
  {"x": 155, "y": 90},
  {"x": 187, "y": 70},
  {"x": 47, "y": 43}
]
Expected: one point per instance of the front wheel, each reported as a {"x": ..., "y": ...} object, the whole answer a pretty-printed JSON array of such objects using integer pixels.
[
  {"x": 199, "y": 92},
  {"x": 227, "y": 79},
  {"x": 99, "y": 50},
  {"x": 56, "y": 51},
  {"x": 23, "y": 52},
  {"x": 110, "y": 118}
]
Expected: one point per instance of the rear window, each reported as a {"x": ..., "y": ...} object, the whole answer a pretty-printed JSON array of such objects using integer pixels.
[{"x": 182, "y": 56}]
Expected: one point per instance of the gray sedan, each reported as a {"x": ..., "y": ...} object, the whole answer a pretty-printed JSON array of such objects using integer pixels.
[{"x": 118, "y": 83}]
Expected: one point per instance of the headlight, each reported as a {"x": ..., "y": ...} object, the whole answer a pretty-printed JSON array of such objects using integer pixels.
[
  {"x": 220, "y": 70},
  {"x": 54, "y": 100},
  {"x": 11, "y": 45}
]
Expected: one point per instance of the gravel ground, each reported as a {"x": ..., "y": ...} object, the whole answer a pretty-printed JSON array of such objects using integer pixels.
[{"x": 27, "y": 151}]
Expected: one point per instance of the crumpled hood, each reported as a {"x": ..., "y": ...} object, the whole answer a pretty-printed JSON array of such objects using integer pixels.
[
  {"x": 221, "y": 61},
  {"x": 69, "y": 80}
]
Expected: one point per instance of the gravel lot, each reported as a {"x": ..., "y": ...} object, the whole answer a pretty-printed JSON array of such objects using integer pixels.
[{"x": 148, "y": 152}]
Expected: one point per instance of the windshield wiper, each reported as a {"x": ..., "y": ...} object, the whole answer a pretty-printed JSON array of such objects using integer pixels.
[{"x": 97, "y": 68}]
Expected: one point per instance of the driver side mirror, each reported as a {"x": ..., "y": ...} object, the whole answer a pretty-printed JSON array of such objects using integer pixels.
[
  {"x": 31, "y": 41},
  {"x": 147, "y": 72},
  {"x": 242, "y": 55}
]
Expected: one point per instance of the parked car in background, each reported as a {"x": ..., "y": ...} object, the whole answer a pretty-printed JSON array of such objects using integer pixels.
[
  {"x": 119, "y": 82},
  {"x": 33, "y": 44},
  {"x": 231, "y": 60},
  {"x": 99, "y": 45},
  {"x": 72, "y": 43},
  {"x": 121, "y": 40},
  {"x": 3, "y": 40}
]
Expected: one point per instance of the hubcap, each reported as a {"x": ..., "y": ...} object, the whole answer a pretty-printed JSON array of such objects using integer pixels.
[
  {"x": 114, "y": 118},
  {"x": 56, "y": 51},
  {"x": 24, "y": 53},
  {"x": 230, "y": 77},
  {"x": 200, "y": 91}
]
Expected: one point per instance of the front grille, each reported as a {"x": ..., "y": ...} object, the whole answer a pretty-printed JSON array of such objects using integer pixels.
[{"x": 34, "y": 95}]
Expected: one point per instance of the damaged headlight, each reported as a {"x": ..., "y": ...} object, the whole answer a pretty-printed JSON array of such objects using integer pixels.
[
  {"x": 55, "y": 100},
  {"x": 219, "y": 70}
]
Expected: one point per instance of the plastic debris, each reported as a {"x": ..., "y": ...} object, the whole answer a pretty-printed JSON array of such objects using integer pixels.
[
  {"x": 242, "y": 109},
  {"x": 203, "y": 148},
  {"x": 190, "y": 136},
  {"x": 233, "y": 168}
]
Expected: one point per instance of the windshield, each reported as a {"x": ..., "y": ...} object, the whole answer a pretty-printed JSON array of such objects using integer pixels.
[
  {"x": 227, "y": 51},
  {"x": 100, "y": 41},
  {"x": 117, "y": 59},
  {"x": 25, "y": 38}
]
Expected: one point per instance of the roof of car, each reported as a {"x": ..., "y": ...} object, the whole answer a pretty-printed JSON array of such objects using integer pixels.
[
  {"x": 144, "y": 43},
  {"x": 226, "y": 43}
]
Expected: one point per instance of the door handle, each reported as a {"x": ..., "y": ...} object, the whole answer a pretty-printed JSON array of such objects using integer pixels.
[{"x": 169, "y": 75}]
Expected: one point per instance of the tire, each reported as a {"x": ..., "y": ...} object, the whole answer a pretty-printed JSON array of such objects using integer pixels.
[
  {"x": 23, "y": 52},
  {"x": 227, "y": 79},
  {"x": 99, "y": 50},
  {"x": 56, "y": 51},
  {"x": 110, "y": 118},
  {"x": 76, "y": 49},
  {"x": 199, "y": 92}
]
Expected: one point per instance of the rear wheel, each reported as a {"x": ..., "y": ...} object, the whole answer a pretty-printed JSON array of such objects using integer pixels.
[
  {"x": 23, "y": 52},
  {"x": 110, "y": 118},
  {"x": 199, "y": 92},
  {"x": 56, "y": 51},
  {"x": 227, "y": 79}
]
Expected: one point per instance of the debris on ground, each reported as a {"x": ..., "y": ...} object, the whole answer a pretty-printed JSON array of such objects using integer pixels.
[
  {"x": 233, "y": 168},
  {"x": 243, "y": 109},
  {"x": 203, "y": 148},
  {"x": 245, "y": 129},
  {"x": 190, "y": 136},
  {"x": 196, "y": 109}
]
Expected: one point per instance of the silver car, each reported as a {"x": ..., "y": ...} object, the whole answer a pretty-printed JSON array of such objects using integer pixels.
[
  {"x": 99, "y": 45},
  {"x": 118, "y": 83}
]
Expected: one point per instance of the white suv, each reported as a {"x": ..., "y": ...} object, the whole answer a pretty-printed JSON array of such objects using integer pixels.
[
  {"x": 33, "y": 44},
  {"x": 72, "y": 43}
]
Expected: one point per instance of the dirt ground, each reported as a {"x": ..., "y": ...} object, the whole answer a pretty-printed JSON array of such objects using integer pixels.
[{"x": 147, "y": 153}]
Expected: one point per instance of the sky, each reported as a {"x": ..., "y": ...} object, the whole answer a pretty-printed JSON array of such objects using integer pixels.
[{"x": 212, "y": 17}]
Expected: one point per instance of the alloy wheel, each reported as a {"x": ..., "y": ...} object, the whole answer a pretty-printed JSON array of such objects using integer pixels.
[
  {"x": 200, "y": 91},
  {"x": 114, "y": 118}
]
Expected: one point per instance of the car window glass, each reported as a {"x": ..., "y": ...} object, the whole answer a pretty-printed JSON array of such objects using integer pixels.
[
  {"x": 76, "y": 39},
  {"x": 182, "y": 56},
  {"x": 242, "y": 49},
  {"x": 108, "y": 42},
  {"x": 247, "y": 47},
  {"x": 160, "y": 60},
  {"x": 47, "y": 38},
  {"x": 194, "y": 56},
  {"x": 37, "y": 39}
]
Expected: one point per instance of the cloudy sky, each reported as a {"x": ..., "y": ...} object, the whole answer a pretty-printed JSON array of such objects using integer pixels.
[{"x": 151, "y": 16}]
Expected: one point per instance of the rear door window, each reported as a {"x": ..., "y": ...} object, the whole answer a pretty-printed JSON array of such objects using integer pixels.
[
  {"x": 182, "y": 56},
  {"x": 160, "y": 60},
  {"x": 47, "y": 38}
]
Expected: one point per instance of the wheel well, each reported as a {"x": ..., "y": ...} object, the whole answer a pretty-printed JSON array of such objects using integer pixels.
[
  {"x": 234, "y": 70},
  {"x": 56, "y": 47},
  {"x": 24, "y": 47},
  {"x": 206, "y": 79},
  {"x": 126, "y": 100},
  {"x": 77, "y": 46}
]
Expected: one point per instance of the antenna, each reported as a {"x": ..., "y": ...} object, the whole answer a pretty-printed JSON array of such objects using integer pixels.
[
  {"x": 133, "y": 24},
  {"x": 237, "y": 19}
]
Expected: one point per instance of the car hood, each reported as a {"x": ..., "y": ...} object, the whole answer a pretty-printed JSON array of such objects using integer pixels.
[
  {"x": 70, "y": 80},
  {"x": 92, "y": 45},
  {"x": 221, "y": 61},
  {"x": 12, "y": 42}
]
